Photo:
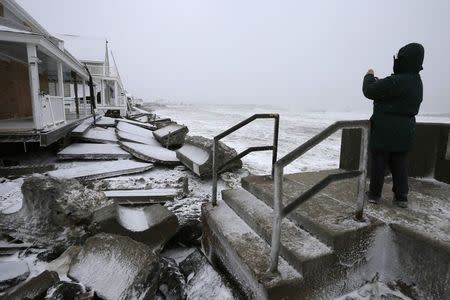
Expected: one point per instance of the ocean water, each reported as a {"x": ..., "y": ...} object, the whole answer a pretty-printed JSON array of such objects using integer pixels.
[{"x": 295, "y": 128}]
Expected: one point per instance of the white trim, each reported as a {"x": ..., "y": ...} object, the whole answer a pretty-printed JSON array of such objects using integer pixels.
[
  {"x": 47, "y": 47},
  {"x": 33, "y": 74}
]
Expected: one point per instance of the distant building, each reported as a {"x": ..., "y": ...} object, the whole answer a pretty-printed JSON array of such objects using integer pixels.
[
  {"x": 35, "y": 72},
  {"x": 94, "y": 53}
]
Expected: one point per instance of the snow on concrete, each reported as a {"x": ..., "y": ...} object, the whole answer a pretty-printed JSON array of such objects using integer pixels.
[
  {"x": 97, "y": 170},
  {"x": 10, "y": 195},
  {"x": 374, "y": 290},
  {"x": 100, "y": 135},
  {"x": 93, "y": 151},
  {"x": 106, "y": 122},
  {"x": 135, "y": 138},
  {"x": 132, "y": 218},
  {"x": 151, "y": 153},
  {"x": 196, "y": 154},
  {"x": 134, "y": 129},
  {"x": 138, "y": 123}
]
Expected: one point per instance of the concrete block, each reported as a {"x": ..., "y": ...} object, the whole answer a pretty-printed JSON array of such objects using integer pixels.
[
  {"x": 117, "y": 267},
  {"x": 153, "y": 225},
  {"x": 172, "y": 135}
]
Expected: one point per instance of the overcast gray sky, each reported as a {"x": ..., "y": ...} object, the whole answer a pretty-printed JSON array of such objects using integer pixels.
[{"x": 308, "y": 54}]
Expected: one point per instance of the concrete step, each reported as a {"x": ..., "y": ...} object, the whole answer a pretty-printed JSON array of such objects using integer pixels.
[
  {"x": 303, "y": 251},
  {"x": 245, "y": 256},
  {"x": 325, "y": 217}
]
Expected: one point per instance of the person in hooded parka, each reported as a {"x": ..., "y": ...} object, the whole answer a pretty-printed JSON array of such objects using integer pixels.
[{"x": 396, "y": 102}]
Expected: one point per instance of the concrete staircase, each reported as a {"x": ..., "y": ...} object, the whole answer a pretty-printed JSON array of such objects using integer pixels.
[{"x": 325, "y": 253}]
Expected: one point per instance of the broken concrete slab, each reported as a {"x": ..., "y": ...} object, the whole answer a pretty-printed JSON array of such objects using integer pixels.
[
  {"x": 99, "y": 135},
  {"x": 98, "y": 170},
  {"x": 154, "y": 154},
  {"x": 21, "y": 170},
  {"x": 153, "y": 225},
  {"x": 134, "y": 129},
  {"x": 135, "y": 138},
  {"x": 35, "y": 288},
  {"x": 172, "y": 135},
  {"x": 62, "y": 263},
  {"x": 117, "y": 267},
  {"x": 172, "y": 283},
  {"x": 83, "y": 127},
  {"x": 147, "y": 196},
  {"x": 11, "y": 273},
  {"x": 138, "y": 123},
  {"x": 65, "y": 290},
  {"x": 196, "y": 154},
  {"x": 89, "y": 151},
  {"x": 106, "y": 122}
]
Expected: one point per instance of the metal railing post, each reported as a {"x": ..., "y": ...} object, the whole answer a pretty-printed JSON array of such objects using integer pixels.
[
  {"x": 275, "y": 142},
  {"x": 363, "y": 155},
  {"x": 214, "y": 173},
  {"x": 277, "y": 218}
]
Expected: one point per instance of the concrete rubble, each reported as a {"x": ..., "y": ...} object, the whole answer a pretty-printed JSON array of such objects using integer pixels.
[
  {"x": 129, "y": 269},
  {"x": 144, "y": 196},
  {"x": 99, "y": 170},
  {"x": 153, "y": 224},
  {"x": 153, "y": 154},
  {"x": 172, "y": 135},
  {"x": 35, "y": 288},
  {"x": 89, "y": 151},
  {"x": 137, "y": 123},
  {"x": 99, "y": 135},
  {"x": 196, "y": 154}
]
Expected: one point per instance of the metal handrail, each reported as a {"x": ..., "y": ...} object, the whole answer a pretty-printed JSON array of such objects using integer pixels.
[
  {"x": 217, "y": 138},
  {"x": 279, "y": 212}
]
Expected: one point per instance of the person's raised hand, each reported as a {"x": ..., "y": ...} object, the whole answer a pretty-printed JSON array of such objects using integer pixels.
[{"x": 370, "y": 72}]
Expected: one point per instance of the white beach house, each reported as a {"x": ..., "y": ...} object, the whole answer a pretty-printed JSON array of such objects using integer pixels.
[
  {"x": 94, "y": 53},
  {"x": 35, "y": 70}
]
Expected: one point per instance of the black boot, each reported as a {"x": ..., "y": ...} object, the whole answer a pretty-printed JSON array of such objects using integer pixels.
[{"x": 401, "y": 201}]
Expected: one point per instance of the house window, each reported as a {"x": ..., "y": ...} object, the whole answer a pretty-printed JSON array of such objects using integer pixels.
[
  {"x": 1, "y": 10},
  {"x": 67, "y": 90}
]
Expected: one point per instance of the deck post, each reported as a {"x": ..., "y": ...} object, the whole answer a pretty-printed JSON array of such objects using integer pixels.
[
  {"x": 59, "y": 68},
  {"x": 102, "y": 92},
  {"x": 116, "y": 96},
  {"x": 33, "y": 74},
  {"x": 84, "y": 97}
]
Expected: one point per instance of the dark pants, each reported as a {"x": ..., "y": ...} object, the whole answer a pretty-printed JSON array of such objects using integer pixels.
[{"x": 398, "y": 165}]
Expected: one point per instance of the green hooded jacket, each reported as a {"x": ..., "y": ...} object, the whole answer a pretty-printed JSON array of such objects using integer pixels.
[{"x": 396, "y": 101}]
